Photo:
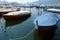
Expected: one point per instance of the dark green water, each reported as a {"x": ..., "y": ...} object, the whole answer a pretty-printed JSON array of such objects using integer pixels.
[{"x": 18, "y": 29}]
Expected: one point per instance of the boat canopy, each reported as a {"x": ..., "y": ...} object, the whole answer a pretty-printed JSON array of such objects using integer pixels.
[{"x": 48, "y": 19}]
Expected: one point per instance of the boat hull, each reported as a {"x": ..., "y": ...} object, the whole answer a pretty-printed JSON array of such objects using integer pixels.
[
  {"x": 47, "y": 26},
  {"x": 46, "y": 33},
  {"x": 9, "y": 17}
]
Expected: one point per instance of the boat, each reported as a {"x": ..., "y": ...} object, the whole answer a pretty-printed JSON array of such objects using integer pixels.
[
  {"x": 53, "y": 10},
  {"x": 17, "y": 14},
  {"x": 7, "y": 10},
  {"x": 46, "y": 21}
]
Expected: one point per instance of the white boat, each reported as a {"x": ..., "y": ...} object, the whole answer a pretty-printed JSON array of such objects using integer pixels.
[
  {"x": 46, "y": 20},
  {"x": 53, "y": 10},
  {"x": 6, "y": 10},
  {"x": 16, "y": 14}
]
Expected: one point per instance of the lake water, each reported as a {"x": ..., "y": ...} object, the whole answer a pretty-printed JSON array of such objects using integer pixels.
[{"x": 24, "y": 29}]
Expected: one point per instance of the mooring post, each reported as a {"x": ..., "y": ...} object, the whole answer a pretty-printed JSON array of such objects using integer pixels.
[
  {"x": 36, "y": 24},
  {"x": 38, "y": 11}
]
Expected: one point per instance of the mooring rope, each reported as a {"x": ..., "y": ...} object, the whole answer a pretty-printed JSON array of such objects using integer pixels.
[{"x": 25, "y": 35}]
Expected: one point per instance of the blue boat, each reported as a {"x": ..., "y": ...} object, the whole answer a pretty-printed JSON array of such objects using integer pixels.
[{"x": 46, "y": 20}]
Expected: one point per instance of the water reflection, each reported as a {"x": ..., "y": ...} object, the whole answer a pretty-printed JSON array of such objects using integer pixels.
[
  {"x": 2, "y": 22},
  {"x": 40, "y": 11},
  {"x": 6, "y": 23},
  {"x": 15, "y": 22},
  {"x": 45, "y": 33}
]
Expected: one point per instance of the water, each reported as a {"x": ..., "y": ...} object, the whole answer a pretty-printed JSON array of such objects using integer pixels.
[{"x": 24, "y": 29}]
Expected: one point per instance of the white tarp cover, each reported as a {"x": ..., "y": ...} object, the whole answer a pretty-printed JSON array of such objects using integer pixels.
[{"x": 47, "y": 19}]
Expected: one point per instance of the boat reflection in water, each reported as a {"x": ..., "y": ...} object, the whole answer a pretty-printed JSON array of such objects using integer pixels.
[
  {"x": 7, "y": 23},
  {"x": 15, "y": 21},
  {"x": 45, "y": 33}
]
